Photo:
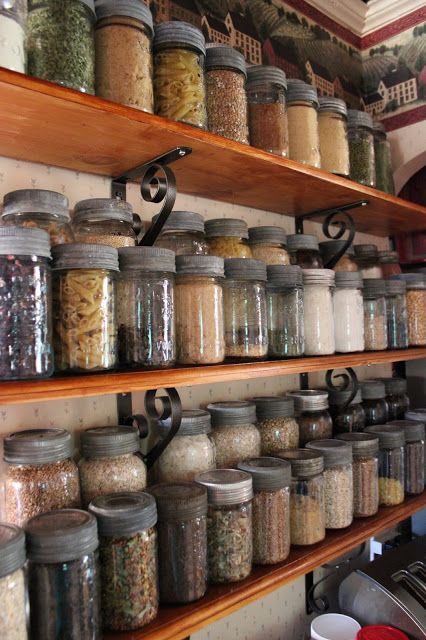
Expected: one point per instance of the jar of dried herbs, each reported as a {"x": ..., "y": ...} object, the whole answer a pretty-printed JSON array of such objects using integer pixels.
[
  {"x": 389, "y": 261},
  {"x": 285, "y": 311},
  {"x": 228, "y": 238},
  {"x": 383, "y": 159},
  {"x": 234, "y": 434},
  {"x": 396, "y": 397},
  {"x": 365, "y": 450},
  {"x": 367, "y": 258},
  {"x": 229, "y": 524},
  {"x": 347, "y": 418},
  {"x": 333, "y": 135},
  {"x": 330, "y": 248},
  {"x": 373, "y": 401},
  {"x": 304, "y": 251},
  {"x": 13, "y": 18},
  {"x": 416, "y": 307},
  {"x": 128, "y": 559},
  {"x": 391, "y": 463},
  {"x": 276, "y": 423},
  {"x": 269, "y": 245},
  {"x": 397, "y": 315},
  {"x": 375, "y": 315},
  {"x": 302, "y": 115},
  {"x": 13, "y": 619},
  {"x": 320, "y": 338},
  {"x": 104, "y": 221},
  {"x": 361, "y": 147},
  {"x": 414, "y": 433},
  {"x": 182, "y": 541},
  {"x": 311, "y": 409},
  {"x": 183, "y": 233}
]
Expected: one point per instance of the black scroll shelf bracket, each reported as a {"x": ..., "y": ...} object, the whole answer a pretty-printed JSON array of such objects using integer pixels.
[{"x": 349, "y": 382}]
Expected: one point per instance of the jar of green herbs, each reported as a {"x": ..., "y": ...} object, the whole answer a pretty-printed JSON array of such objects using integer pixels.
[
  {"x": 361, "y": 147},
  {"x": 383, "y": 159}
]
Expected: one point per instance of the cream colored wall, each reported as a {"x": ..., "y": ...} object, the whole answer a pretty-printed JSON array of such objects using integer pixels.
[{"x": 408, "y": 152}]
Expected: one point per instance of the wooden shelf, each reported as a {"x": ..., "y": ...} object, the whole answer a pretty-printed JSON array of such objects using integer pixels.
[
  {"x": 40, "y": 121},
  {"x": 174, "y": 623}
]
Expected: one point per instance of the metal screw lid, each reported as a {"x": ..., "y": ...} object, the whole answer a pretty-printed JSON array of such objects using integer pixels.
[
  {"x": 102, "y": 209},
  {"x": 36, "y": 201},
  {"x": 336, "y": 105},
  {"x": 131, "y": 8},
  {"x": 330, "y": 247},
  {"x": 388, "y": 257},
  {"x": 372, "y": 390},
  {"x": 324, "y": 277},
  {"x": 349, "y": 280},
  {"x": 262, "y": 73},
  {"x": 374, "y": 287},
  {"x": 226, "y": 486},
  {"x": 194, "y": 422},
  {"x": 108, "y": 442},
  {"x": 245, "y": 269},
  {"x": 183, "y": 501},
  {"x": 280, "y": 275},
  {"x": 363, "y": 444},
  {"x": 12, "y": 548},
  {"x": 212, "y": 266},
  {"x": 267, "y": 235},
  {"x": 413, "y": 430},
  {"x": 178, "y": 33},
  {"x": 395, "y": 287},
  {"x": 412, "y": 280},
  {"x": 123, "y": 514},
  {"x": 61, "y": 536},
  {"x": 21, "y": 241},
  {"x": 334, "y": 452},
  {"x": 394, "y": 386},
  {"x": 225, "y": 57},
  {"x": 359, "y": 119},
  {"x": 301, "y": 91},
  {"x": 232, "y": 412},
  {"x": 389, "y": 435},
  {"x": 273, "y": 407},
  {"x": 37, "y": 446},
  {"x": 339, "y": 397},
  {"x": 301, "y": 241},
  {"x": 305, "y": 463},
  {"x": 309, "y": 400},
  {"x": 366, "y": 251},
  {"x": 146, "y": 259},
  {"x": 80, "y": 255},
  {"x": 268, "y": 473},
  {"x": 418, "y": 415},
  {"x": 233, "y": 227},
  {"x": 379, "y": 127},
  {"x": 182, "y": 221}
]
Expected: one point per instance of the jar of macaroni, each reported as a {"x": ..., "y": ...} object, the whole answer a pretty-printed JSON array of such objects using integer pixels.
[
  {"x": 269, "y": 244},
  {"x": 276, "y": 423},
  {"x": 304, "y": 251},
  {"x": 285, "y": 311},
  {"x": 373, "y": 401},
  {"x": 183, "y": 233},
  {"x": 361, "y": 147},
  {"x": 365, "y": 466},
  {"x": 228, "y": 238},
  {"x": 318, "y": 287},
  {"x": 416, "y": 307},
  {"x": 333, "y": 135},
  {"x": 104, "y": 221},
  {"x": 235, "y": 435},
  {"x": 303, "y": 131},
  {"x": 375, "y": 315},
  {"x": 391, "y": 463}
]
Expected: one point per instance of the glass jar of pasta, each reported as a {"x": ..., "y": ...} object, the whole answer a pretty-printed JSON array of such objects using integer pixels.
[
  {"x": 13, "y": 618},
  {"x": 367, "y": 258},
  {"x": 333, "y": 135},
  {"x": 304, "y": 251},
  {"x": 383, "y": 159},
  {"x": 302, "y": 115},
  {"x": 234, "y": 434},
  {"x": 373, "y": 401},
  {"x": 361, "y": 147},
  {"x": 276, "y": 423},
  {"x": 391, "y": 463},
  {"x": 269, "y": 245},
  {"x": 104, "y": 221},
  {"x": 84, "y": 307},
  {"x": 285, "y": 311},
  {"x": 396, "y": 313},
  {"x": 179, "y": 82},
  {"x": 365, "y": 466},
  {"x": 375, "y": 315},
  {"x": 183, "y": 233},
  {"x": 416, "y": 307},
  {"x": 228, "y": 238}
]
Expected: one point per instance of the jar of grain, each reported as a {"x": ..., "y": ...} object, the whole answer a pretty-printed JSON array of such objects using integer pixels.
[
  {"x": 234, "y": 434},
  {"x": 179, "y": 83},
  {"x": 183, "y": 233},
  {"x": 373, "y": 401},
  {"x": 244, "y": 296},
  {"x": 110, "y": 462},
  {"x": 396, "y": 312},
  {"x": 333, "y": 135},
  {"x": 269, "y": 245},
  {"x": 318, "y": 311},
  {"x": 389, "y": 261},
  {"x": 367, "y": 258},
  {"x": 123, "y": 45},
  {"x": 13, "y": 20},
  {"x": 338, "y": 481},
  {"x": 416, "y": 307},
  {"x": 303, "y": 134},
  {"x": 40, "y": 474},
  {"x": 396, "y": 397},
  {"x": 307, "y": 499},
  {"x": 285, "y": 316},
  {"x": 200, "y": 337},
  {"x": 414, "y": 434},
  {"x": 229, "y": 524},
  {"x": 375, "y": 315},
  {"x": 365, "y": 450},
  {"x": 330, "y": 248},
  {"x": 348, "y": 312},
  {"x": 104, "y": 221},
  {"x": 347, "y": 418},
  {"x": 13, "y": 618},
  {"x": 418, "y": 415},
  {"x": 226, "y": 93},
  {"x": 361, "y": 147},
  {"x": 304, "y": 251},
  {"x": 228, "y": 238},
  {"x": 277, "y": 425},
  {"x": 271, "y": 508},
  {"x": 266, "y": 87},
  {"x": 391, "y": 463},
  {"x": 383, "y": 159},
  {"x": 311, "y": 410}
]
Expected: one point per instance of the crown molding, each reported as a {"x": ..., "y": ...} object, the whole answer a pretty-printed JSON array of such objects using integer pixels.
[
  {"x": 380, "y": 13},
  {"x": 349, "y": 13}
]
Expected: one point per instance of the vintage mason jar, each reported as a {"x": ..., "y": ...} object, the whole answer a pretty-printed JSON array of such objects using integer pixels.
[
  {"x": 365, "y": 467},
  {"x": 396, "y": 397},
  {"x": 368, "y": 260},
  {"x": 348, "y": 312},
  {"x": 396, "y": 311},
  {"x": 276, "y": 423},
  {"x": 347, "y": 418},
  {"x": 383, "y": 159},
  {"x": 311, "y": 410},
  {"x": 373, "y": 401},
  {"x": 104, "y": 221},
  {"x": 13, "y": 19},
  {"x": 304, "y": 251},
  {"x": 318, "y": 287},
  {"x": 389, "y": 261},
  {"x": 391, "y": 463},
  {"x": 375, "y": 315},
  {"x": 416, "y": 307},
  {"x": 333, "y": 135},
  {"x": 234, "y": 435},
  {"x": 414, "y": 434},
  {"x": 269, "y": 245},
  {"x": 361, "y": 147},
  {"x": 13, "y": 614},
  {"x": 228, "y": 238},
  {"x": 303, "y": 131},
  {"x": 183, "y": 233},
  {"x": 285, "y": 311}
]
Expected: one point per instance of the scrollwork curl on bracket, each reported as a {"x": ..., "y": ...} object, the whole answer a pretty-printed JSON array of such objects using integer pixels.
[{"x": 349, "y": 380}]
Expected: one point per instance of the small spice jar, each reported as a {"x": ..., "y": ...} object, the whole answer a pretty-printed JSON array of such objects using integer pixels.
[
  {"x": 123, "y": 41},
  {"x": 361, "y": 147},
  {"x": 190, "y": 452},
  {"x": 285, "y": 311},
  {"x": 396, "y": 312},
  {"x": 389, "y": 261},
  {"x": 391, "y": 463},
  {"x": 183, "y": 233},
  {"x": 226, "y": 93},
  {"x": 13, "y": 17},
  {"x": 266, "y": 87},
  {"x": 63, "y": 559},
  {"x": 373, "y": 402},
  {"x": 269, "y": 245},
  {"x": 244, "y": 298},
  {"x": 12, "y": 581},
  {"x": 416, "y": 307},
  {"x": 40, "y": 473},
  {"x": 84, "y": 307},
  {"x": 128, "y": 559},
  {"x": 368, "y": 260},
  {"x": 200, "y": 337},
  {"x": 375, "y": 315},
  {"x": 229, "y": 524},
  {"x": 304, "y": 251},
  {"x": 348, "y": 312},
  {"x": 396, "y": 397},
  {"x": 179, "y": 83},
  {"x": 145, "y": 307},
  {"x": 303, "y": 133},
  {"x": 307, "y": 496},
  {"x": 25, "y": 304},
  {"x": 182, "y": 541},
  {"x": 271, "y": 508},
  {"x": 311, "y": 409},
  {"x": 318, "y": 311},
  {"x": 338, "y": 481},
  {"x": 228, "y": 238},
  {"x": 333, "y": 135},
  {"x": 276, "y": 423},
  {"x": 383, "y": 159},
  {"x": 414, "y": 434},
  {"x": 330, "y": 248},
  {"x": 347, "y": 418},
  {"x": 365, "y": 467},
  {"x": 234, "y": 434},
  {"x": 104, "y": 221},
  {"x": 109, "y": 462}
]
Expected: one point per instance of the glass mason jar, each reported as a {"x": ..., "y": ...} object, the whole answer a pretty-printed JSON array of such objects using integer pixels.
[
  {"x": 389, "y": 261},
  {"x": 229, "y": 524},
  {"x": 304, "y": 251},
  {"x": 330, "y": 248},
  {"x": 318, "y": 311},
  {"x": 128, "y": 559},
  {"x": 276, "y": 423},
  {"x": 346, "y": 418},
  {"x": 266, "y": 87},
  {"x": 338, "y": 482},
  {"x": 373, "y": 401},
  {"x": 179, "y": 83},
  {"x": 228, "y": 238},
  {"x": 311, "y": 410},
  {"x": 190, "y": 452},
  {"x": 145, "y": 307},
  {"x": 418, "y": 415},
  {"x": 414, "y": 434},
  {"x": 383, "y": 159},
  {"x": 200, "y": 337},
  {"x": 348, "y": 309},
  {"x": 365, "y": 467},
  {"x": 183, "y": 233},
  {"x": 244, "y": 298},
  {"x": 333, "y": 135},
  {"x": 61, "y": 44},
  {"x": 63, "y": 559},
  {"x": 25, "y": 304},
  {"x": 307, "y": 497},
  {"x": 84, "y": 307},
  {"x": 269, "y": 245},
  {"x": 303, "y": 131},
  {"x": 271, "y": 508},
  {"x": 182, "y": 541},
  {"x": 104, "y": 221},
  {"x": 285, "y": 314},
  {"x": 391, "y": 463},
  {"x": 123, "y": 42},
  {"x": 375, "y": 315},
  {"x": 13, "y": 19},
  {"x": 234, "y": 434},
  {"x": 416, "y": 307},
  {"x": 39, "y": 208},
  {"x": 396, "y": 397},
  {"x": 109, "y": 462},
  {"x": 396, "y": 311},
  {"x": 368, "y": 260},
  {"x": 13, "y": 618},
  {"x": 361, "y": 147},
  {"x": 226, "y": 93}
]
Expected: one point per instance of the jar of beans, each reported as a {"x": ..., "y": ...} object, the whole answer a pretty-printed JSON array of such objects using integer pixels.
[
  {"x": 373, "y": 402},
  {"x": 276, "y": 423},
  {"x": 183, "y": 233},
  {"x": 234, "y": 434},
  {"x": 365, "y": 466},
  {"x": 285, "y": 311},
  {"x": 304, "y": 251},
  {"x": 104, "y": 221},
  {"x": 228, "y": 238},
  {"x": 330, "y": 248},
  {"x": 396, "y": 397},
  {"x": 13, "y": 615},
  {"x": 320, "y": 337},
  {"x": 389, "y": 261},
  {"x": 396, "y": 311},
  {"x": 302, "y": 114},
  {"x": 311, "y": 409},
  {"x": 269, "y": 245},
  {"x": 367, "y": 258},
  {"x": 391, "y": 463},
  {"x": 361, "y": 147},
  {"x": 375, "y": 316},
  {"x": 333, "y": 135},
  {"x": 347, "y": 418},
  {"x": 416, "y": 307},
  {"x": 414, "y": 433},
  {"x": 383, "y": 159}
]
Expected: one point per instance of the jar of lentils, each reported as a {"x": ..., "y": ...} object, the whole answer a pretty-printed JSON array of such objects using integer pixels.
[
  {"x": 13, "y": 617},
  {"x": 333, "y": 135},
  {"x": 416, "y": 307},
  {"x": 365, "y": 450},
  {"x": 304, "y": 251},
  {"x": 183, "y": 233},
  {"x": 396, "y": 311},
  {"x": 414, "y": 433},
  {"x": 367, "y": 258},
  {"x": 396, "y": 397},
  {"x": 331, "y": 248},
  {"x": 348, "y": 312},
  {"x": 389, "y": 261},
  {"x": 391, "y": 463},
  {"x": 361, "y": 147},
  {"x": 276, "y": 423},
  {"x": 375, "y": 315},
  {"x": 383, "y": 159},
  {"x": 311, "y": 409},
  {"x": 347, "y": 418},
  {"x": 228, "y": 238},
  {"x": 302, "y": 115},
  {"x": 318, "y": 287},
  {"x": 234, "y": 434},
  {"x": 269, "y": 245},
  {"x": 373, "y": 401},
  {"x": 104, "y": 221},
  {"x": 285, "y": 311}
]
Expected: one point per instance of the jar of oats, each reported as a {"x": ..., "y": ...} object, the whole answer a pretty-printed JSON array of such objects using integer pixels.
[
  {"x": 285, "y": 312},
  {"x": 302, "y": 115},
  {"x": 228, "y": 238},
  {"x": 365, "y": 450},
  {"x": 331, "y": 248},
  {"x": 234, "y": 434},
  {"x": 373, "y": 401},
  {"x": 277, "y": 425},
  {"x": 375, "y": 315},
  {"x": 13, "y": 618},
  {"x": 183, "y": 233},
  {"x": 416, "y": 307},
  {"x": 104, "y": 221},
  {"x": 414, "y": 433},
  {"x": 269, "y": 245},
  {"x": 311, "y": 409},
  {"x": 333, "y": 135},
  {"x": 391, "y": 463}
]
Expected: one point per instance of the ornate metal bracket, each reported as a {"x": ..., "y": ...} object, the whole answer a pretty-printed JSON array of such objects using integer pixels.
[{"x": 349, "y": 383}]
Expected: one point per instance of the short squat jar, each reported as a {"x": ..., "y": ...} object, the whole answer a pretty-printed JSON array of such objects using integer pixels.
[
  {"x": 128, "y": 559},
  {"x": 269, "y": 245},
  {"x": 396, "y": 312},
  {"x": 229, "y": 524},
  {"x": 104, "y": 221},
  {"x": 13, "y": 619},
  {"x": 348, "y": 312},
  {"x": 414, "y": 434},
  {"x": 416, "y": 307},
  {"x": 375, "y": 315},
  {"x": 183, "y": 233},
  {"x": 331, "y": 248},
  {"x": 365, "y": 450},
  {"x": 234, "y": 434},
  {"x": 285, "y": 311},
  {"x": 228, "y": 238},
  {"x": 276, "y": 423},
  {"x": 13, "y": 18},
  {"x": 373, "y": 401},
  {"x": 396, "y": 397},
  {"x": 368, "y": 260},
  {"x": 361, "y": 147},
  {"x": 304, "y": 251},
  {"x": 347, "y": 418},
  {"x": 318, "y": 287},
  {"x": 311, "y": 410},
  {"x": 303, "y": 131},
  {"x": 391, "y": 463},
  {"x": 383, "y": 159},
  {"x": 389, "y": 261},
  {"x": 333, "y": 135}
]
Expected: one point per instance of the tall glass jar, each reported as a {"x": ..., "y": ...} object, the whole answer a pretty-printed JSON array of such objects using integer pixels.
[
  {"x": 226, "y": 93},
  {"x": 368, "y": 259},
  {"x": 414, "y": 434},
  {"x": 229, "y": 524},
  {"x": 373, "y": 401},
  {"x": 302, "y": 115},
  {"x": 182, "y": 541},
  {"x": 396, "y": 311},
  {"x": 416, "y": 307},
  {"x": 391, "y": 463},
  {"x": 365, "y": 466},
  {"x": 244, "y": 297},
  {"x": 348, "y": 312},
  {"x": 63, "y": 559},
  {"x": 318, "y": 311},
  {"x": 266, "y": 86},
  {"x": 383, "y": 159},
  {"x": 104, "y": 221},
  {"x": 375, "y": 315},
  {"x": 276, "y": 423},
  {"x": 304, "y": 251},
  {"x": 228, "y": 238},
  {"x": 396, "y": 397},
  {"x": 269, "y": 244},
  {"x": 285, "y": 313},
  {"x": 179, "y": 83},
  {"x": 13, "y": 618},
  {"x": 234, "y": 434},
  {"x": 418, "y": 415},
  {"x": 271, "y": 508},
  {"x": 13, "y": 18},
  {"x": 183, "y": 233},
  {"x": 347, "y": 418},
  {"x": 128, "y": 559},
  {"x": 333, "y": 135},
  {"x": 40, "y": 474},
  {"x": 389, "y": 261},
  {"x": 84, "y": 307},
  {"x": 123, "y": 40},
  {"x": 25, "y": 304},
  {"x": 145, "y": 307},
  {"x": 361, "y": 147},
  {"x": 311, "y": 409},
  {"x": 330, "y": 248},
  {"x": 200, "y": 337},
  {"x": 61, "y": 43}
]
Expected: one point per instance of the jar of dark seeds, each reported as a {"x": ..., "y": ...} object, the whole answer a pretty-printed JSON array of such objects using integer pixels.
[
  {"x": 365, "y": 449},
  {"x": 391, "y": 463},
  {"x": 234, "y": 434},
  {"x": 285, "y": 311},
  {"x": 13, "y": 621},
  {"x": 347, "y": 418},
  {"x": 276, "y": 423},
  {"x": 361, "y": 147},
  {"x": 396, "y": 397},
  {"x": 396, "y": 311},
  {"x": 373, "y": 402},
  {"x": 182, "y": 541},
  {"x": 375, "y": 316},
  {"x": 414, "y": 433},
  {"x": 311, "y": 410}
]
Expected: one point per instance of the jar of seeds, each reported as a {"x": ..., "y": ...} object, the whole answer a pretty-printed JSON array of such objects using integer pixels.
[
  {"x": 311, "y": 409},
  {"x": 330, "y": 248},
  {"x": 320, "y": 337},
  {"x": 303, "y": 134},
  {"x": 389, "y": 261},
  {"x": 285, "y": 311},
  {"x": 13, "y": 621},
  {"x": 13, "y": 19},
  {"x": 234, "y": 434},
  {"x": 183, "y": 233},
  {"x": 347, "y": 418},
  {"x": 367, "y": 258},
  {"x": 276, "y": 423},
  {"x": 348, "y": 312},
  {"x": 383, "y": 159},
  {"x": 373, "y": 402},
  {"x": 304, "y": 251},
  {"x": 414, "y": 433},
  {"x": 333, "y": 135},
  {"x": 396, "y": 397},
  {"x": 397, "y": 316},
  {"x": 228, "y": 238},
  {"x": 416, "y": 307},
  {"x": 365, "y": 450},
  {"x": 269, "y": 245},
  {"x": 104, "y": 221},
  {"x": 391, "y": 463},
  {"x": 375, "y": 315},
  {"x": 361, "y": 147}
]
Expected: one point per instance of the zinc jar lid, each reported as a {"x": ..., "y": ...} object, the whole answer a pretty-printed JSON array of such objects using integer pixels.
[
  {"x": 336, "y": 105},
  {"x": 330, "y": 247},
  {"x": 182, "y": 221},
  {"x": 334, "y": 452},
  {"x": 395, "y": 287},
  {"x": 263, "y": 73},
  {"x": 375, "y": 287},
  {"x": 61, "y": 536},
  {"x": 146, "y": 259},
  {"x": 12, "y": 548},
  {"x": 390, "y": 436},
  {"x": 245, "y": 269},
  {"x": 131, "y": 8},
  {"x": 179, "y": 33},
  {"x": 372, "y": 389},
  {"x": 273, "y": 407},
  {"x": 232, "y": 412},
  {"x": 122, "y": 514},
  {"x": 325, "y": 277},
  {"x": 379, "y": 127},
  {"x": 224, "y": 57},
  {"x": 418, "y": 415},
  {"x": 366, "y": 251},
  {"x": 388, "y": 257},
  {"x": 349, "y": 280},
  {"x": 301, "y": 91},
  {"x": 194, "y": 422},
  {"x": 359, "y": 119},
  {"x": 36, "y": 201},
  {"x": 99, "y": 209},
  {"x": 212, "y": 266},
  {"x": 394, "y": 386},
  {"x": 182, "y": 501},
  {"x": 267, "y": 235},
  {"x": 280, "y": 275},
  {"x": 301, "y": 241},
  {"x": 37, "y": 446},
  {"x": 226, "y": 486},
  {"x": 413, "y": 430},
  {"x": 412, "y": 280},
  {"x": 80, "y": 255},
  {"x": 108, "y": 442},
  {"x": 309, "y": 400},
  {"x": 268, "y": 473},
  {"x": 305, "y": 463},
  {"x": 233, "y": 227},
  {"x": 363, "y": 444},
  {"x": 21, "y": 241},
  {"x": 339, "y": 397}
]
